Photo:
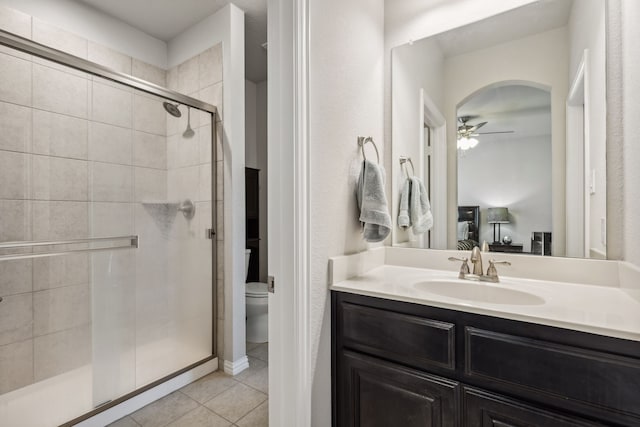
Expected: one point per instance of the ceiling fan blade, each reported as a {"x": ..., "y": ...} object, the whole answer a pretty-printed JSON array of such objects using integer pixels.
[
  {"x": 477, "y": 126},
  {"x": 490, "y": 133}
]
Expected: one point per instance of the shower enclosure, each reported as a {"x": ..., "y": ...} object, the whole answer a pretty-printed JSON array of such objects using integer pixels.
[{"x": 106, "y": 235}]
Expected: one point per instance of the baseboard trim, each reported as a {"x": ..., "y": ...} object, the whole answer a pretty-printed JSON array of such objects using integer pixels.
[
  {"x": 143, "y": 399},
  {"x": 234, "y": 368}
]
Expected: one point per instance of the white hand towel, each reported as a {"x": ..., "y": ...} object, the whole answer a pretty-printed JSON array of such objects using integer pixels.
[
  {"x": 372, "y": 201},
  {"x": 403, "y": 214},
  {"x": 420, "y": 208}
]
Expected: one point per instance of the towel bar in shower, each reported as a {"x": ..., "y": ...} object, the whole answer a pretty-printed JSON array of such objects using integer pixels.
[{"x": 133, "y": 242}]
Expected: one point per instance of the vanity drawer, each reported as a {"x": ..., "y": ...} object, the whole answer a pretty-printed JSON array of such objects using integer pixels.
[
  {"x": 405, "y": 338},
  {"x": 599, "y": 380}
]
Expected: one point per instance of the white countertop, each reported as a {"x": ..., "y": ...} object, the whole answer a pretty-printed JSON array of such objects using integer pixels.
[{"x": 604, "y": 310}]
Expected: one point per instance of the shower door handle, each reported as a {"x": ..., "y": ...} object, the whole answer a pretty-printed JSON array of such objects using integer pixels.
[{"x": 133, "y": 243}]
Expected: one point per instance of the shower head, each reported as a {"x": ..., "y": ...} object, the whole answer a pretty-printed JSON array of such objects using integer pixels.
[{"x": 172, "y": 109}]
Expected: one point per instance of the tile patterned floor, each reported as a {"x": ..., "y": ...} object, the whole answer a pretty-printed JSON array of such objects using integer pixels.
[{"x": 217, "y": 400}]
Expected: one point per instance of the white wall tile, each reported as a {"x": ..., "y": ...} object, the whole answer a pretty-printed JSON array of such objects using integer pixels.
[
  {"x": 15, "y": 122},
  {"x": 59, "y": 135},
  {"x": 182, "y": 151},
  {"x": 149, "y": 115},
  {"x": 60, "y": 92},
  {"x": 211, "y": 66},
  {"x": 61, "y": 308},
  {"x": 57, "y": 38},
  {"x": 110, "y": 183},
  {"x": 16, "y": 364},
  {"x": 114, "y": 269},
  {"x": 188, "y": 76},
  {"x": 205, "y": 214},
  {"x": 111, "y": 219},
  {"x": 149, "y": 72},
  {"x": 14, "y": 175},
  {"x": 204, "y": 188},
  {"x": 59, "y": 220},
  {"x": 151, "y": 184},
  {"x": 65, "y": 270},
  {"x": 213, "y": 95},
  {"x": 15, "y": 22},
  {"x": 173, "y": 125},
  {"x": 58, "y": 178},
  {"x": 111, "y": 105},
  {"x": 15, "y": 80},
  {"x": 110, "y": 144},
  {"x": 16, "y": 277},
  {"x": 205, "y": 142},
  {"x": 109, "y": 58},
  {"x": 61, "y": 352},
  {"x": 16, "y": 318},
  {"x": 149, "y": 150},
  {"x": 14, "y": 220},
  {"x": 183, "y": 183},
  {"x": 172, "y": 78}
]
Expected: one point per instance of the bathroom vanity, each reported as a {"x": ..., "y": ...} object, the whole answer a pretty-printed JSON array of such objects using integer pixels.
[{"x": 408, "y": 352}]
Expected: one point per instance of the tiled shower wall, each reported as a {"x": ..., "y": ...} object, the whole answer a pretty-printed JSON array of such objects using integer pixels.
[
  {"x": 200, "y": 77},
  {"x": 78, "y": 156}
]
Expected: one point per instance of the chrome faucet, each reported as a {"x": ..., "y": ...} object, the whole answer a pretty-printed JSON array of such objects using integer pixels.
[
  {"x": 478, "y": 274},
  {"x": 476, "y": 260}
]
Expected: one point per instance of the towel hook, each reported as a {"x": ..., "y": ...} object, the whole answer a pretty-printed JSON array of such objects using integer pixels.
[
  {"x": 403, "y": 162},
  {"x": 363, "y": 140}
]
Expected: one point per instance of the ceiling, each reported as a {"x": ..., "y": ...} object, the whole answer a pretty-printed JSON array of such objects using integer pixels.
[
  {"x": 526, "y": 110},
  {"x": 165, "y": 19},
  {"x": 521, "y": 22}
]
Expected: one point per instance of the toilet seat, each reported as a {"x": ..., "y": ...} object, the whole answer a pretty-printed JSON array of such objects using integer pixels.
[{"x": 257, "y": 290}]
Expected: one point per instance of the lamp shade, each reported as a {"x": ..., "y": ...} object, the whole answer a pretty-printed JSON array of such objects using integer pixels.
[{"x": 498, "y": 216}]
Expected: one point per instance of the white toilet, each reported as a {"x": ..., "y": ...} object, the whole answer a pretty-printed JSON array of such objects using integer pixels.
[{"x": 257, "y": 304}]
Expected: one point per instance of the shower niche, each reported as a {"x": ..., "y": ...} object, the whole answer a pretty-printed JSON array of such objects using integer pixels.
[{"x": 106, "y": 266}]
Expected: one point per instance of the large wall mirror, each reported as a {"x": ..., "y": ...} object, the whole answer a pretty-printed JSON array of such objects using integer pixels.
[{"x": 504, "y": 122}]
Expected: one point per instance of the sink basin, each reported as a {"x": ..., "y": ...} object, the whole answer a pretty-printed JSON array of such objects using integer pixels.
[{"x": 479, "y": 292}]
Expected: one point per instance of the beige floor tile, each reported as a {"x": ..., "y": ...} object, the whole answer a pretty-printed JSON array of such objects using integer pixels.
[
  {"x": 251, "y": 345},
  {"x": 259, "y": 380},
  {"x": 163, "y": 411},
  {"x": 254, "y": 366},
  {"x": 259, "y": 417},
  {"x": 125, "y": 422},
  {"x": 208, "y": 387},
  {"x": 236, "y": 402},
  {"x": 200, "y": 417},
  {"x": 260, "y": 352}
]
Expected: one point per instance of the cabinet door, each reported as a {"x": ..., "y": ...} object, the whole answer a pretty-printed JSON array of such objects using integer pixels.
[
  {"x": 482, "y": 409},
  {"x": 382, "y": 394}
]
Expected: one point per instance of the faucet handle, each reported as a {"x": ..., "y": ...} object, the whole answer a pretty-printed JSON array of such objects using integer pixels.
[
  {"x": 492, "y": 272},
  {"x": 464, "y": 268}
]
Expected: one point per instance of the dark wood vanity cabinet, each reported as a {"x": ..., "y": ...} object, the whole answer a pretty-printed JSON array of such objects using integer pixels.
[
  {"x": 381, "y": 394},
  {"x": 404, "y": 364}
]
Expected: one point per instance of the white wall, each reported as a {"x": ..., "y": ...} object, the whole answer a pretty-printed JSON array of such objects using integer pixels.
[
  {"x": 541, "y": 59},
  {"x": 587, "y": 31},
  {"x": 346, "y": 92},
  {"x": 631, "y": 85},
  {"x": 414, "y": 67},
  {"x": 481, "y": 181},
  {"x": 93, "y": 25},
  {"x": 227, "y": 27}
]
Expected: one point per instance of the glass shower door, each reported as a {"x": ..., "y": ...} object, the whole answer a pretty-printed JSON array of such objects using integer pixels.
[{"x": 106, "y": 278}]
